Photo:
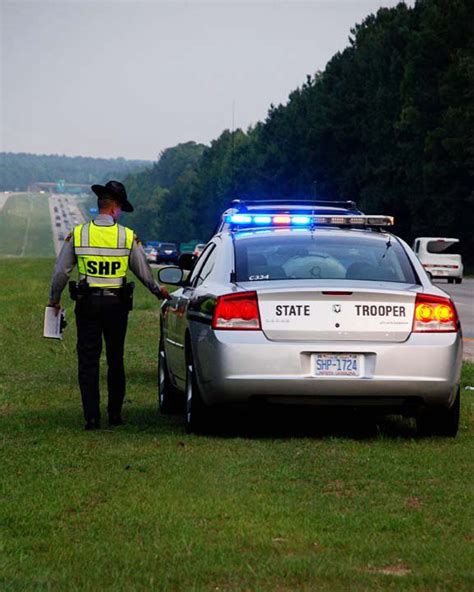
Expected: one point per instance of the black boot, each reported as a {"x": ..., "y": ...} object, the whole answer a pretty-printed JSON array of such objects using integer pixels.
[
  {"x": 115, "y": 420},
  {"x": 92, "y": 424}
]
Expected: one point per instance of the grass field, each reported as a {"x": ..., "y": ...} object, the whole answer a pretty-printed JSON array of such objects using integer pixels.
[
  {"x": 145, "y": 507},
  {"x": 25, "y": 226}
]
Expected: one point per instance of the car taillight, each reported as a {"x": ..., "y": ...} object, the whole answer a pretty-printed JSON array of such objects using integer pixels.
[
  {"x": 434, "y": 314},
  {"x": 237, "y": 311}
]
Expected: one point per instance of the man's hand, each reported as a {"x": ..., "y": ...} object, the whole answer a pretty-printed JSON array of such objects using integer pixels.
[
  {"x": 164, "y": 293},
  {"x": 56, "y": 306}
]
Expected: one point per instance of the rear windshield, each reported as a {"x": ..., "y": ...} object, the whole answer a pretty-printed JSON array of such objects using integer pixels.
[
  {"x": 168, "y": 246},
  {"x": 444, "y": 247},
  {"x": 307, "y": 257}
]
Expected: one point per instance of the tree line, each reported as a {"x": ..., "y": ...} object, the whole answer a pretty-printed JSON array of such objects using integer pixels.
[
  {"x": 389, "y": 123},
  {"x": 19, "y": 170}
]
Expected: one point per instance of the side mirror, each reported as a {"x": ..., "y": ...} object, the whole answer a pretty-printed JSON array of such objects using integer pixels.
[
  {"x": 170, "y": 275},
  {"x": 186, "y": 261}
]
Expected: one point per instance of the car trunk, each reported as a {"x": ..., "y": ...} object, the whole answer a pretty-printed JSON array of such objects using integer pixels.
[{"x": 344, "y": 311}]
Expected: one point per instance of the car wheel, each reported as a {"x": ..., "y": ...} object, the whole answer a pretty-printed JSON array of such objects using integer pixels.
[
  {"x": 450, "y": 280},
  {"x": 442, "y": 422},
  {"x": 196, "y": 411},
  {"x": 168, "y": 396},
  {"x": 458, "y": 280}
]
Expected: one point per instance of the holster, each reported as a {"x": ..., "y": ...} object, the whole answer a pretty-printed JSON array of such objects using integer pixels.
[
  {"x": 127, "y": 294},
  {"x": 79, "y": 291}
]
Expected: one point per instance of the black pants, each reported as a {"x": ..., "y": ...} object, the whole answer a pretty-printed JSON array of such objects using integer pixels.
[{"x": 105, "y": 316}]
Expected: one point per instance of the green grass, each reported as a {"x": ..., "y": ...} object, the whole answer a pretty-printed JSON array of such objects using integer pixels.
[
  {"x": 25, "y": 226},
  {"x": 145, "y": 507}
]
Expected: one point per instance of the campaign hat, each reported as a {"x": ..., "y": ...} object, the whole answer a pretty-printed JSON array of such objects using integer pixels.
[{"x": 115, "y": 190}]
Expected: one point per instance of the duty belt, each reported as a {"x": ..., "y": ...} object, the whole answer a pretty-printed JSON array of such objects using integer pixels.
[{"x": 106, "y": 292}]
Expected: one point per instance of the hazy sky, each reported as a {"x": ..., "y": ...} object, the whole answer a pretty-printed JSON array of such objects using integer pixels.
[{"x": 128, "y": 78}]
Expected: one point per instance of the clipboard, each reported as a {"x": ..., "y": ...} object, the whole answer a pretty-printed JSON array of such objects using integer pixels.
[{"x": 54, "y": 325}]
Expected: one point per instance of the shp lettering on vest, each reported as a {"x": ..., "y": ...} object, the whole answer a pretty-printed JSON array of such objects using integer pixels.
[
  {"x": 102, "y": 253},
  {"x": 103, "y": 268}
]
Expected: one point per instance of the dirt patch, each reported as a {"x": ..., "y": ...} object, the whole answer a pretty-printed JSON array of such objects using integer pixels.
[
  {"x": 398, "y": 569},
  {"x": 413, "y": 503},
  {"x": 338, "y": 488}
]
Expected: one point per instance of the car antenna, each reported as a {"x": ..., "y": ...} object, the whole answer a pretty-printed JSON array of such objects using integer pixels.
[{"x": 388, "y": 244}]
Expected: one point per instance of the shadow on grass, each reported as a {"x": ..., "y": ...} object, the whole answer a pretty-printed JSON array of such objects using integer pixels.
[
  {"x": 300, "y": 422},
  {"x": 267, "y": 423},
  {"x": 273, "y": 422}
]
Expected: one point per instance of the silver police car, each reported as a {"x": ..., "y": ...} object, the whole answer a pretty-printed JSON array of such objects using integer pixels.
[{"x": 309, "y": 305}]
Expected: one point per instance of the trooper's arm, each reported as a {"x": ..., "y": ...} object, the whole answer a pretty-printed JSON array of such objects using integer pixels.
[
  {"x": 141, "y": 268},
  {"x": 64, "y": 265}
]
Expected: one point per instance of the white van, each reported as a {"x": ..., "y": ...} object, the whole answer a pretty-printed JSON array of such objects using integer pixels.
[{"x": 439, "y": 257}]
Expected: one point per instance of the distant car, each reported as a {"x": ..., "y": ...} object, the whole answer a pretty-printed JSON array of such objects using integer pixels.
[
  {"x": 150, "y": 253},
  {"x": 58, "y": 224},
  {"x": 296, "y": 306},
  {"x": 198, "y": 249},
  {"x": 167, "y": 253},
  {"x": 439, "y": 257},
  {"x": 60, "y": 236}
]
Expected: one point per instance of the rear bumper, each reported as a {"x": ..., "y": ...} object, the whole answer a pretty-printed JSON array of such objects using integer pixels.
[
  {"x": 439, "y": 273},
  {"x": 235, "y": 367}
]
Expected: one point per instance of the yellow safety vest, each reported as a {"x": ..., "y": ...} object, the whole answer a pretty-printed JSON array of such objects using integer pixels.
[{"x": 102, "y": 254}]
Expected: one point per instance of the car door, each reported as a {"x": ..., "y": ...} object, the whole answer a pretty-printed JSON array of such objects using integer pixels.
[
  {"x": 170, "y": 315},
  {"x": 180, "y": 313}
]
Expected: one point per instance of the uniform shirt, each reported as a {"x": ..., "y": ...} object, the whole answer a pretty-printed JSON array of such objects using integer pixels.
[{"x": 67, "y": 260}]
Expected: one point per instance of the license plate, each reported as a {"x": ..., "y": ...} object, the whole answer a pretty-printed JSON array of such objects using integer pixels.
[{"x": 337, "y": 364}]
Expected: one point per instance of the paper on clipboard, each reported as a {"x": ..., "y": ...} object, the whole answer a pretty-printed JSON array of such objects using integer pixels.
[{"x": 54, "y": 324}]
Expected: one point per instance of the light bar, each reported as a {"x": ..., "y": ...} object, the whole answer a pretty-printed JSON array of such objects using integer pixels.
[
  {"x": 240, "y": 219},
  {"x": 308, "y": 220},
  {"x": 262, "y": 219},
  {"x": 301, "y": 220},
  {"x": 286, "y": 220}
]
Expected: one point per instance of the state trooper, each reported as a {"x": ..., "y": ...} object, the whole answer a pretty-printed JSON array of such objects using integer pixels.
[{"x": 103, "y": 250}]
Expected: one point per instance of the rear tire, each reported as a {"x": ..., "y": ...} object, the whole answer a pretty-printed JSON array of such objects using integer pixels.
[
  {"x": 168, "y": 396},
  {"x": 441, "y": 422},
  {"x": 196, "y": 414}
]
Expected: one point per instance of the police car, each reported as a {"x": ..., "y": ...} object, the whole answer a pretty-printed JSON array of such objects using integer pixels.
[{"x": 309, "y": 303}]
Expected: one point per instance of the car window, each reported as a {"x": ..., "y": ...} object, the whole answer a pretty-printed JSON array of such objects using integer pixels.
[
  {"x": 444, "y": 247},
  {"x": 200, "y": 263},
  {"x": 206, "y": 269},
  {"x": 320, "y": 256}
]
